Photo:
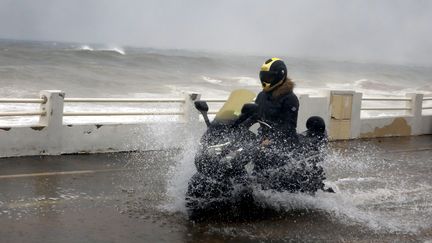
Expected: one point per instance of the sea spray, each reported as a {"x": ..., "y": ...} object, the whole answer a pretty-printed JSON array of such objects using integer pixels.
[
  {"x": 146, "y": 183},
  {"x": 368, "y": 190},
  {"x": 366, "y": 195},
  {"x": 184, "y": 167}
]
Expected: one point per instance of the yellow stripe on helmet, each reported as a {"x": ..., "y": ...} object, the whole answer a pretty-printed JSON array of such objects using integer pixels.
[{"x": 266, "y": 66}]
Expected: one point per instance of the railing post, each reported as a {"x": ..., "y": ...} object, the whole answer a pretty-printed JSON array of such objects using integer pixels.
[
  {"x": 191, "y": 115},
  {"x": 52, "y": 121},
  {"x": 416, "y": 105}
]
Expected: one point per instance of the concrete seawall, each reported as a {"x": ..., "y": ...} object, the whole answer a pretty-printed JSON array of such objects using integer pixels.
[{"x": 340, "y": 109}]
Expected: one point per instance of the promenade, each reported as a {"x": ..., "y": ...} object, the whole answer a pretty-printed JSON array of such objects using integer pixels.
[{"x": 117, "y": 197}]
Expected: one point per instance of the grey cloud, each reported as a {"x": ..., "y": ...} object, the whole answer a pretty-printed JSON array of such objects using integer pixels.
[{"x": 397, "y": 31}]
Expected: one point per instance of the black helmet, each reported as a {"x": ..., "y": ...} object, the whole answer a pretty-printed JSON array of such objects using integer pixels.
[
  {"x": 273, "y": 73},
  {"x": 316, "y": 124}
]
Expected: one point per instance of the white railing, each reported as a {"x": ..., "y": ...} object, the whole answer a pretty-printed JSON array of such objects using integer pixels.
[
  {"x": 121, "y": 100},
  {"x": 213, "y": 112},
  {"x": 43, "y": 100},
  {"x": 23, "y": 113},
  {"x": 386, "y": 99},
  {"x": 386, "y": 108},
  {"x": 122, "y": 113},
  {"x": 215, "y": 100},
  {"x": 24, "y": 101},
  {"x": 427, "y": 99},
  {"x": 182, "y": 111},
  {"x": 128, "y": 100},
  {"x": 409, "y": 103}
]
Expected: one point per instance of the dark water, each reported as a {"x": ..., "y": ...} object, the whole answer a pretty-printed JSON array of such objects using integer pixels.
[
  {"x": 90, "y": 70},
  {"x": 95, "y": 70},
  {"x": 383, "y": 194}
]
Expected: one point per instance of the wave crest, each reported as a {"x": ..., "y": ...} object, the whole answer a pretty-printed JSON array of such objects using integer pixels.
[
  {"x": 85, "y": 48},
  {"x": 118, "y": 50}
]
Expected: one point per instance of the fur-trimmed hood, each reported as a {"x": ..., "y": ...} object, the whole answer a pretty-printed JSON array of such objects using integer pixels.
[{"x": 285, "y": 88}]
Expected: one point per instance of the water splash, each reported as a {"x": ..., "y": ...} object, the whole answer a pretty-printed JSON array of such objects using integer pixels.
[
  {"x": 371, "y": 191},
  {"x": 374, "y": 190},
  {"x": 181, "y": 172}
]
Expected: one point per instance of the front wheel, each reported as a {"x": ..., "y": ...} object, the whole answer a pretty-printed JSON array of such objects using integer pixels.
[{"x": 207, "y": 196}]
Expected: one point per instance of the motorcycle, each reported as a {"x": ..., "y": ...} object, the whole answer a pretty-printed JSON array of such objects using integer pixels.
[{"x": 231, "y": 162}]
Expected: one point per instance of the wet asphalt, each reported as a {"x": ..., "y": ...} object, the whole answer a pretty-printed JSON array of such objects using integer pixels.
[{"x": 119, "y": 198}]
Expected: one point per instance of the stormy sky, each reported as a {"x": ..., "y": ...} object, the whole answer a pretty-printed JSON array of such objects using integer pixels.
[{"x": 392, "y": 31}]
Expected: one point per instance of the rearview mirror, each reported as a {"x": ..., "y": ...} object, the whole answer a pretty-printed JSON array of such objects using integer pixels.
[
  {"x": 201, "y": 106},
  {"x": 249, "y": 109}
]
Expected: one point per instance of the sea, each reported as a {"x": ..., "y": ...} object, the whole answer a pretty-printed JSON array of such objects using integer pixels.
[
  {"x": 98, "y": 70},
  {"x": 85, "y": 70}
]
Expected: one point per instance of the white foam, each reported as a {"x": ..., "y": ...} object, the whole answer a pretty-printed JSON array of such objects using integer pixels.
[
  {"x": 247, "y": 81},
  {"x": 115, "y": 49},
  {"x": 358, "y": 179},
  {"x": 85, "y": 48},
  {"x": 352, "y": 208},
  {"x": 206, "y": 92},
  {"x": 118, "y": 50},
  {"x": 211, "y": 80}
]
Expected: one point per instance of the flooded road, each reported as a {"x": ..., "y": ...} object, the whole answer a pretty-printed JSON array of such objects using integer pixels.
[{"x": 383, "y": 193}]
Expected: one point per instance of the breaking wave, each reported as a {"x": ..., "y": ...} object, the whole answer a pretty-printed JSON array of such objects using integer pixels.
[
  {"x": 87, "y": 48},
  {"x": 211, "y": 80}
]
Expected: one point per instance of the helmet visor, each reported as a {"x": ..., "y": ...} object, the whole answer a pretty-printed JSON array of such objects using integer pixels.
[{"x": 268, "y": 77}]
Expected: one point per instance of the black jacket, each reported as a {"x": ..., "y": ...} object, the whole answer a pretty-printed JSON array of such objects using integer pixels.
[{"x": 279, "y": 109}]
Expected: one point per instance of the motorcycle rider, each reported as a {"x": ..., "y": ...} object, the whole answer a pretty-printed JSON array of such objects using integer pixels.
[
  {"x": 277, "y": 111},
  {"x": 277, "y": 104}
]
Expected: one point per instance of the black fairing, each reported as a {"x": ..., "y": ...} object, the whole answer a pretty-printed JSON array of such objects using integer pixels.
[{"x": 213, "y": 165}]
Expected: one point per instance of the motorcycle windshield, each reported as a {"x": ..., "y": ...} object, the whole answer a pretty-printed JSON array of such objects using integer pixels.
[{"x": 232, "y": 108}]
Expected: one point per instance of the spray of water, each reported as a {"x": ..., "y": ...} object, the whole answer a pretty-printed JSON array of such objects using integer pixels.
[
  {"x": 373, "y": 189},
  {"x": 370, "y": 190},
  {"x": 184, "y": 168}
]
